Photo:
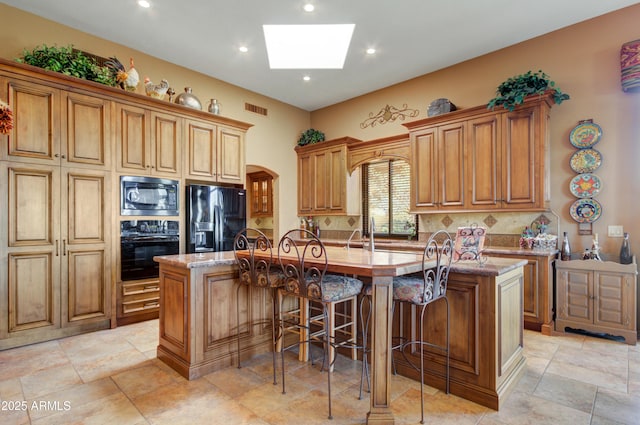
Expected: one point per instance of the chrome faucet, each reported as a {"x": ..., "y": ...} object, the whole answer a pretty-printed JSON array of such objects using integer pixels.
[
  {"x": 372, "y": 229},
  {"x": 352, "y": 234}
]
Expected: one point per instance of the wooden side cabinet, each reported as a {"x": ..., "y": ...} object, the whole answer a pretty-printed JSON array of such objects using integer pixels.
[
  {"x": 597, "y": 296},
  {"x": 537, "y": 289}
]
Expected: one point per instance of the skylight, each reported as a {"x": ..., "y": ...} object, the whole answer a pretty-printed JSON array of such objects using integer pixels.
[{"x": 307, "y": 46}]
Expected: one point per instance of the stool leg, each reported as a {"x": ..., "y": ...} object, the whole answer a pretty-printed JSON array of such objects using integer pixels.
[
  {"x": 328, "y": 327},
  {"x": 280, "y": 343},
  {"x": 330, "y": 332},
  {"x": 274, "y": 329},
  {"x": 421, "y": 329},
  {"x": 238, "y": 321},
  {"x": 354, "y": 328}
]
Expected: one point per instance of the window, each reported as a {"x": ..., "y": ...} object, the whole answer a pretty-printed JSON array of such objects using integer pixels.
[{"x": 386, "y": 198}]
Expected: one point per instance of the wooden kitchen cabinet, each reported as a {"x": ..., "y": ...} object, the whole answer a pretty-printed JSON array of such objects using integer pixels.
[
  {"x": 474, "y": 160},
  {"x": 261, "y": 194},
  {"x": 214, "y": 152},
  {"x": 56, "y": 252},
  {"x": 70, "y": 140},
  {"x": 525, "y": 157},
  {"x": 57, "y": 127},
  {"x": 597, "y": 296},
  {"x": 148, "y": 141},
  {"x": 437, "y": 167},
  {"x": 538, "y": 289},
  {"x": 324, "y": 186}
]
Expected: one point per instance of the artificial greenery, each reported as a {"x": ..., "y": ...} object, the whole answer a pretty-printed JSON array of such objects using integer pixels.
[
  {"x": 68, "y": 61},
  {"x": 514, "y": 90},
  {"x": 310, "y": 136}
]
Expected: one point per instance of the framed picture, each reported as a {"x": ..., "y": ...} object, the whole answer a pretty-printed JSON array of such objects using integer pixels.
[{"x": 469, "y": 243}]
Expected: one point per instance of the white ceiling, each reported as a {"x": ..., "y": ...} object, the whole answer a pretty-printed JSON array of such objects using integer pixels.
[{"x": 412, "y": 37}]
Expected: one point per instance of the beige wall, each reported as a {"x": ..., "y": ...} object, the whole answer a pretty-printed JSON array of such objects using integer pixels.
[
  {"x": 270, "y": 141},
  {"x": 583, "y": 60}
]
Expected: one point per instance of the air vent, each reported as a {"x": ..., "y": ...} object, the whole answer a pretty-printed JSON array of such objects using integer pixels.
[{"x": 255, "y": 109}]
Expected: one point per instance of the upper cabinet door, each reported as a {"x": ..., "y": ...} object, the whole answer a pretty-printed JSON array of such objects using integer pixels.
[
  {"x": 424, "y": 170},
  {"x": 451, "y": 163},
  {"x": 231, "y": 156},
  {"x": 87, "y": 137},
  {"x": 201, "y": 150},
  {"x": 35, "y": 136},
  {"x": 483, "y": 155},
  {"x": 166, "y": 137},
  {"x": 521, "y": 159},
  {"x": 132, "y": 135}
]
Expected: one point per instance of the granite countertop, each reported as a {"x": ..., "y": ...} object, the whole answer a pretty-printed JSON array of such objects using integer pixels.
[
  {"x": 492, "y": 267},
  {"x": 192, "y": 261},
  {"x": 406, "y": 245}
]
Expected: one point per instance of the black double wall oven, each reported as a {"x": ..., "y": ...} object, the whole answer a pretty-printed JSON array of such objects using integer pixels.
[{"x": 142, "y": 239}]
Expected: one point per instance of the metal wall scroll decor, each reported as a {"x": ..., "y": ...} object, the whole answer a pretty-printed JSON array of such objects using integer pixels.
[{"x": 389, "y": 113}]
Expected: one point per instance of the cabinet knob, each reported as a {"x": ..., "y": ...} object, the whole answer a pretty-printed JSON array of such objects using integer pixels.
[
  {"x": 63, "y": 156},
  {"x": 57, "y": 155}
]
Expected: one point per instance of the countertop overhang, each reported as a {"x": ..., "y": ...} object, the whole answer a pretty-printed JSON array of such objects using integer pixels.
[{"x": 492, "y": 267}]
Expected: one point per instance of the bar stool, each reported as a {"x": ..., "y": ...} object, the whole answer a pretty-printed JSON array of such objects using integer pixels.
[
  {"x": 424, "y": 290},
  {"x": 304, "y": 265},
  {"x": 257, "y": 269}
]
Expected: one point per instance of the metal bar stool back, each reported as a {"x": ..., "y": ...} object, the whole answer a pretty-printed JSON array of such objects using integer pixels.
[
  {"x": 423, "y": 290},
  {"x": 257, "y": 269},
  {"x": 304, "y": 263}
]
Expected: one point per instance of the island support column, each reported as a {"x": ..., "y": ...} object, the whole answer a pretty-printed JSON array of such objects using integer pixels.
[{"x": 382, "y": 301}]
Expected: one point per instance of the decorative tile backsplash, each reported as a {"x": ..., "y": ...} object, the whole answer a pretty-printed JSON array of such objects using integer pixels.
[{"x": 503, "y": 228}]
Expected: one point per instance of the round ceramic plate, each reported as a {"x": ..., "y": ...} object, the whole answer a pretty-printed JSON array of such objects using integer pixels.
[
  {"x": 585, "y": 160},
  {"x": 585, "y": 210},
  {"x": 585, "y": 185},
  {"x": 585, "y": 135}
]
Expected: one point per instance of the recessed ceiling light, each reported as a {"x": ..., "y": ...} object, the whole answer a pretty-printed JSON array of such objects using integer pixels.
[
  {"x": 307, "y": 46},
  {"x": 243, "y": 49},
  {"x": 371, "y": 51},
  {"x": 306, "y": 78},
  {"x": 309, "y": 7},
  {"x": 144, "y": 3}
]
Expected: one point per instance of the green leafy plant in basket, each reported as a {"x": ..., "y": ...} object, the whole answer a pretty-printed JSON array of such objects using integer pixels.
[
  {"x": 68, "y": 61},
  {"x": 514, "y": 90},
  {"x": 310, "y": 136}
]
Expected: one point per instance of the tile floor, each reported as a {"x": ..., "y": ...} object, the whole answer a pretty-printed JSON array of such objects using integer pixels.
[{"x": 114, "y": 377}]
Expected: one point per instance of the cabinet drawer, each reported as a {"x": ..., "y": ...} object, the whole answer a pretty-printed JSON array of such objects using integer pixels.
[
  {"x": 137, "y": 288},
  {"x": 142, "y": 304}
]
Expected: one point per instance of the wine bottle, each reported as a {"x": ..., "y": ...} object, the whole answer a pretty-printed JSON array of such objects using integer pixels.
[
  {"x": 625, "y": 250},
  {"x": 565, "y": 253}
]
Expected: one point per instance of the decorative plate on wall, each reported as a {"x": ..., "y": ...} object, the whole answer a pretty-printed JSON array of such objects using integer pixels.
[
  {"x": 585, "y": 160},
  {"x": 585, "y": 135},
  {"x": 585, "y": 185},
  {"x": 585, "y": 210}
]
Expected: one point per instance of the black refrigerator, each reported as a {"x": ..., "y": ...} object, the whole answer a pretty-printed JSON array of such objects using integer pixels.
[{"x": 215, "y": 214}]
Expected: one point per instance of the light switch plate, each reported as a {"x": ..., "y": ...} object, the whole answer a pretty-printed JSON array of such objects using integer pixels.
[{"x": 615, "y": 231}]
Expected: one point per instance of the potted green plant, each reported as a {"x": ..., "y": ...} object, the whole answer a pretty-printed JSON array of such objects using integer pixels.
[
  {"x": 68, "y": 61},
  {"x": 514, "y": 90},
  {"x": 310, "y": 136}
]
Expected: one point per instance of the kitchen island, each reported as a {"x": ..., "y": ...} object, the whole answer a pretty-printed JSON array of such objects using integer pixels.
[
  {"x": 197, "y": 319},
  {"x": 197, "y": 330}
]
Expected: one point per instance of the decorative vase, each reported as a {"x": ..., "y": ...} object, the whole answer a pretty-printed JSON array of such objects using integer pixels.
[
  {"x": 625, "y": 251},
  {"x": 188, "y": 99},
  {"x": 214, "y": 107}
]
